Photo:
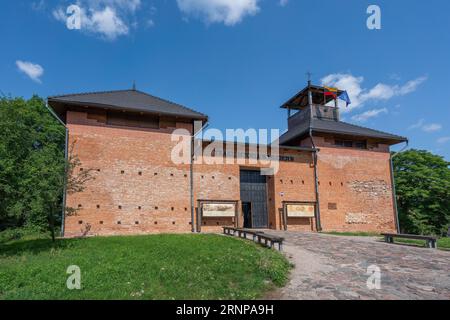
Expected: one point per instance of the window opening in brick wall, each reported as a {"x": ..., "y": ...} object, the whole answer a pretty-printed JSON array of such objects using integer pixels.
[{"x": 332, "y": 206}]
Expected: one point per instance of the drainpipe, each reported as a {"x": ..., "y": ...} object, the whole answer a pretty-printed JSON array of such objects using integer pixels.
[
  {"x": 394, "y": 193},
  {"x": 66, "y": 155},
  {"x": 316, "y": 182},
  {"x": 316, "y": 179},
  {"x": 193, "y": 151}
]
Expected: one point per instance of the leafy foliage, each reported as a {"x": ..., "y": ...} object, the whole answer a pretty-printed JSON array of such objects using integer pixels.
[
  {"x": 31, "y": 163},
  {"x": 423, "y": 190},
  {"x": 33, "y": 167}
]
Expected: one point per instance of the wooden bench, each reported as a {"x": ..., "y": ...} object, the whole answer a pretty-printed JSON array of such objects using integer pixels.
[
  {"x": 242, "y": 233},
  {"x": 258, "y": 236},
  {"x": 229, "y": 231},
  {"x": 270, "y": 241},
  {"x": 431, "y": 240}
]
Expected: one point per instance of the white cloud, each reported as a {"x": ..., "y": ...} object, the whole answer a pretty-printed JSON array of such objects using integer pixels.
[
  {"x": 419, "y": 124},
  {"x": 106, "y": 22},
  {"x": 109, "y": 18},
  {"x": 363, "y": 117},
  {"x": 346, "y": 82},
  {"x": 432, "y": 127},
  {"x": 229, "y": 12},
  {"x": 426, "y": 127},
  {"x": 32, "y": 70},
  {"x": 38, "y": 5},
  {"x": 411, "y": 86},
  {"x": 360, "y": 95},
  {"x": 130, "y": 5},
  {"x": 283, "y": 2},
  {"x": 443, "y": 140}
]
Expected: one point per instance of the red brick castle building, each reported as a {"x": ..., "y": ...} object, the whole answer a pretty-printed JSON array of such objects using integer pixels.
[{"x": 333, "y": 176}]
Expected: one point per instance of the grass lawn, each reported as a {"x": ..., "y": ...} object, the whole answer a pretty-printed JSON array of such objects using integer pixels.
[
  {"x": 442, "y": 243},
  {"x": 141, "y": 267}
]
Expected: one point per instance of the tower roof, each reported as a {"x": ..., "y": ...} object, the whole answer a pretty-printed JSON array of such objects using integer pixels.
[
  {"x": 337, "y": 128},
  {"x": 300, "y": 100}
]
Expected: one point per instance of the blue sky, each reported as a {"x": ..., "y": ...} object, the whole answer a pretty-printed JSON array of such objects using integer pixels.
[{"x": 239, "y": 60}]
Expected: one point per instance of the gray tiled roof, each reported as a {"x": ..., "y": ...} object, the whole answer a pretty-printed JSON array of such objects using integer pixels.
[
  {"x": 337, "y": 127},
  {"x": 131, "y": 100}
]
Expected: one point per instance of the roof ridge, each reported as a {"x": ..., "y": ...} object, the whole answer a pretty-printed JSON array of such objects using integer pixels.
[
  {"x": 87, "y": 93},
  {"x": 126, "y": 90},
  {"x": 379, "y": 131},
  {"x": 168, "y": 101}
]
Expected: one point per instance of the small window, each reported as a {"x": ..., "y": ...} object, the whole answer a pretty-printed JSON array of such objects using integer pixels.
[
  {"x": 339, "y": 143},
  {"x": 332, "y": 206},
  {"x": 360, "y": 145},
  {"x": 348, "y": 144}
]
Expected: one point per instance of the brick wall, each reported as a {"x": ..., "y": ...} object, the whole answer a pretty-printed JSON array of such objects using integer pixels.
[
  {"x": 138, "y": 189},
  {"x": 355, "y": 189}
]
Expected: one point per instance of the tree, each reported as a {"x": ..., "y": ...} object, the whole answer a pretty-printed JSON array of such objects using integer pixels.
[
  {"x": 423, "y": 191},
  {"x": 31, "y": 153},
  {"x": 33, "y": 169}
]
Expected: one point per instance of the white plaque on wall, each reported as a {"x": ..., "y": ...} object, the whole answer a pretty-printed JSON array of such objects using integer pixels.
[
  {"x": 219, "y": 210},
  {"x": 300, "y": 210}
]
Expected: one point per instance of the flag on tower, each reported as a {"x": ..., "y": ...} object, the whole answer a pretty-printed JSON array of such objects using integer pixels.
[
  {"x": 329, "y": 91},
  {"x": 345, "y": 97}
]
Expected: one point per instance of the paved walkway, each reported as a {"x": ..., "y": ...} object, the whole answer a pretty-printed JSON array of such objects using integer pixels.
[{"x": 335, "y": 267}]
